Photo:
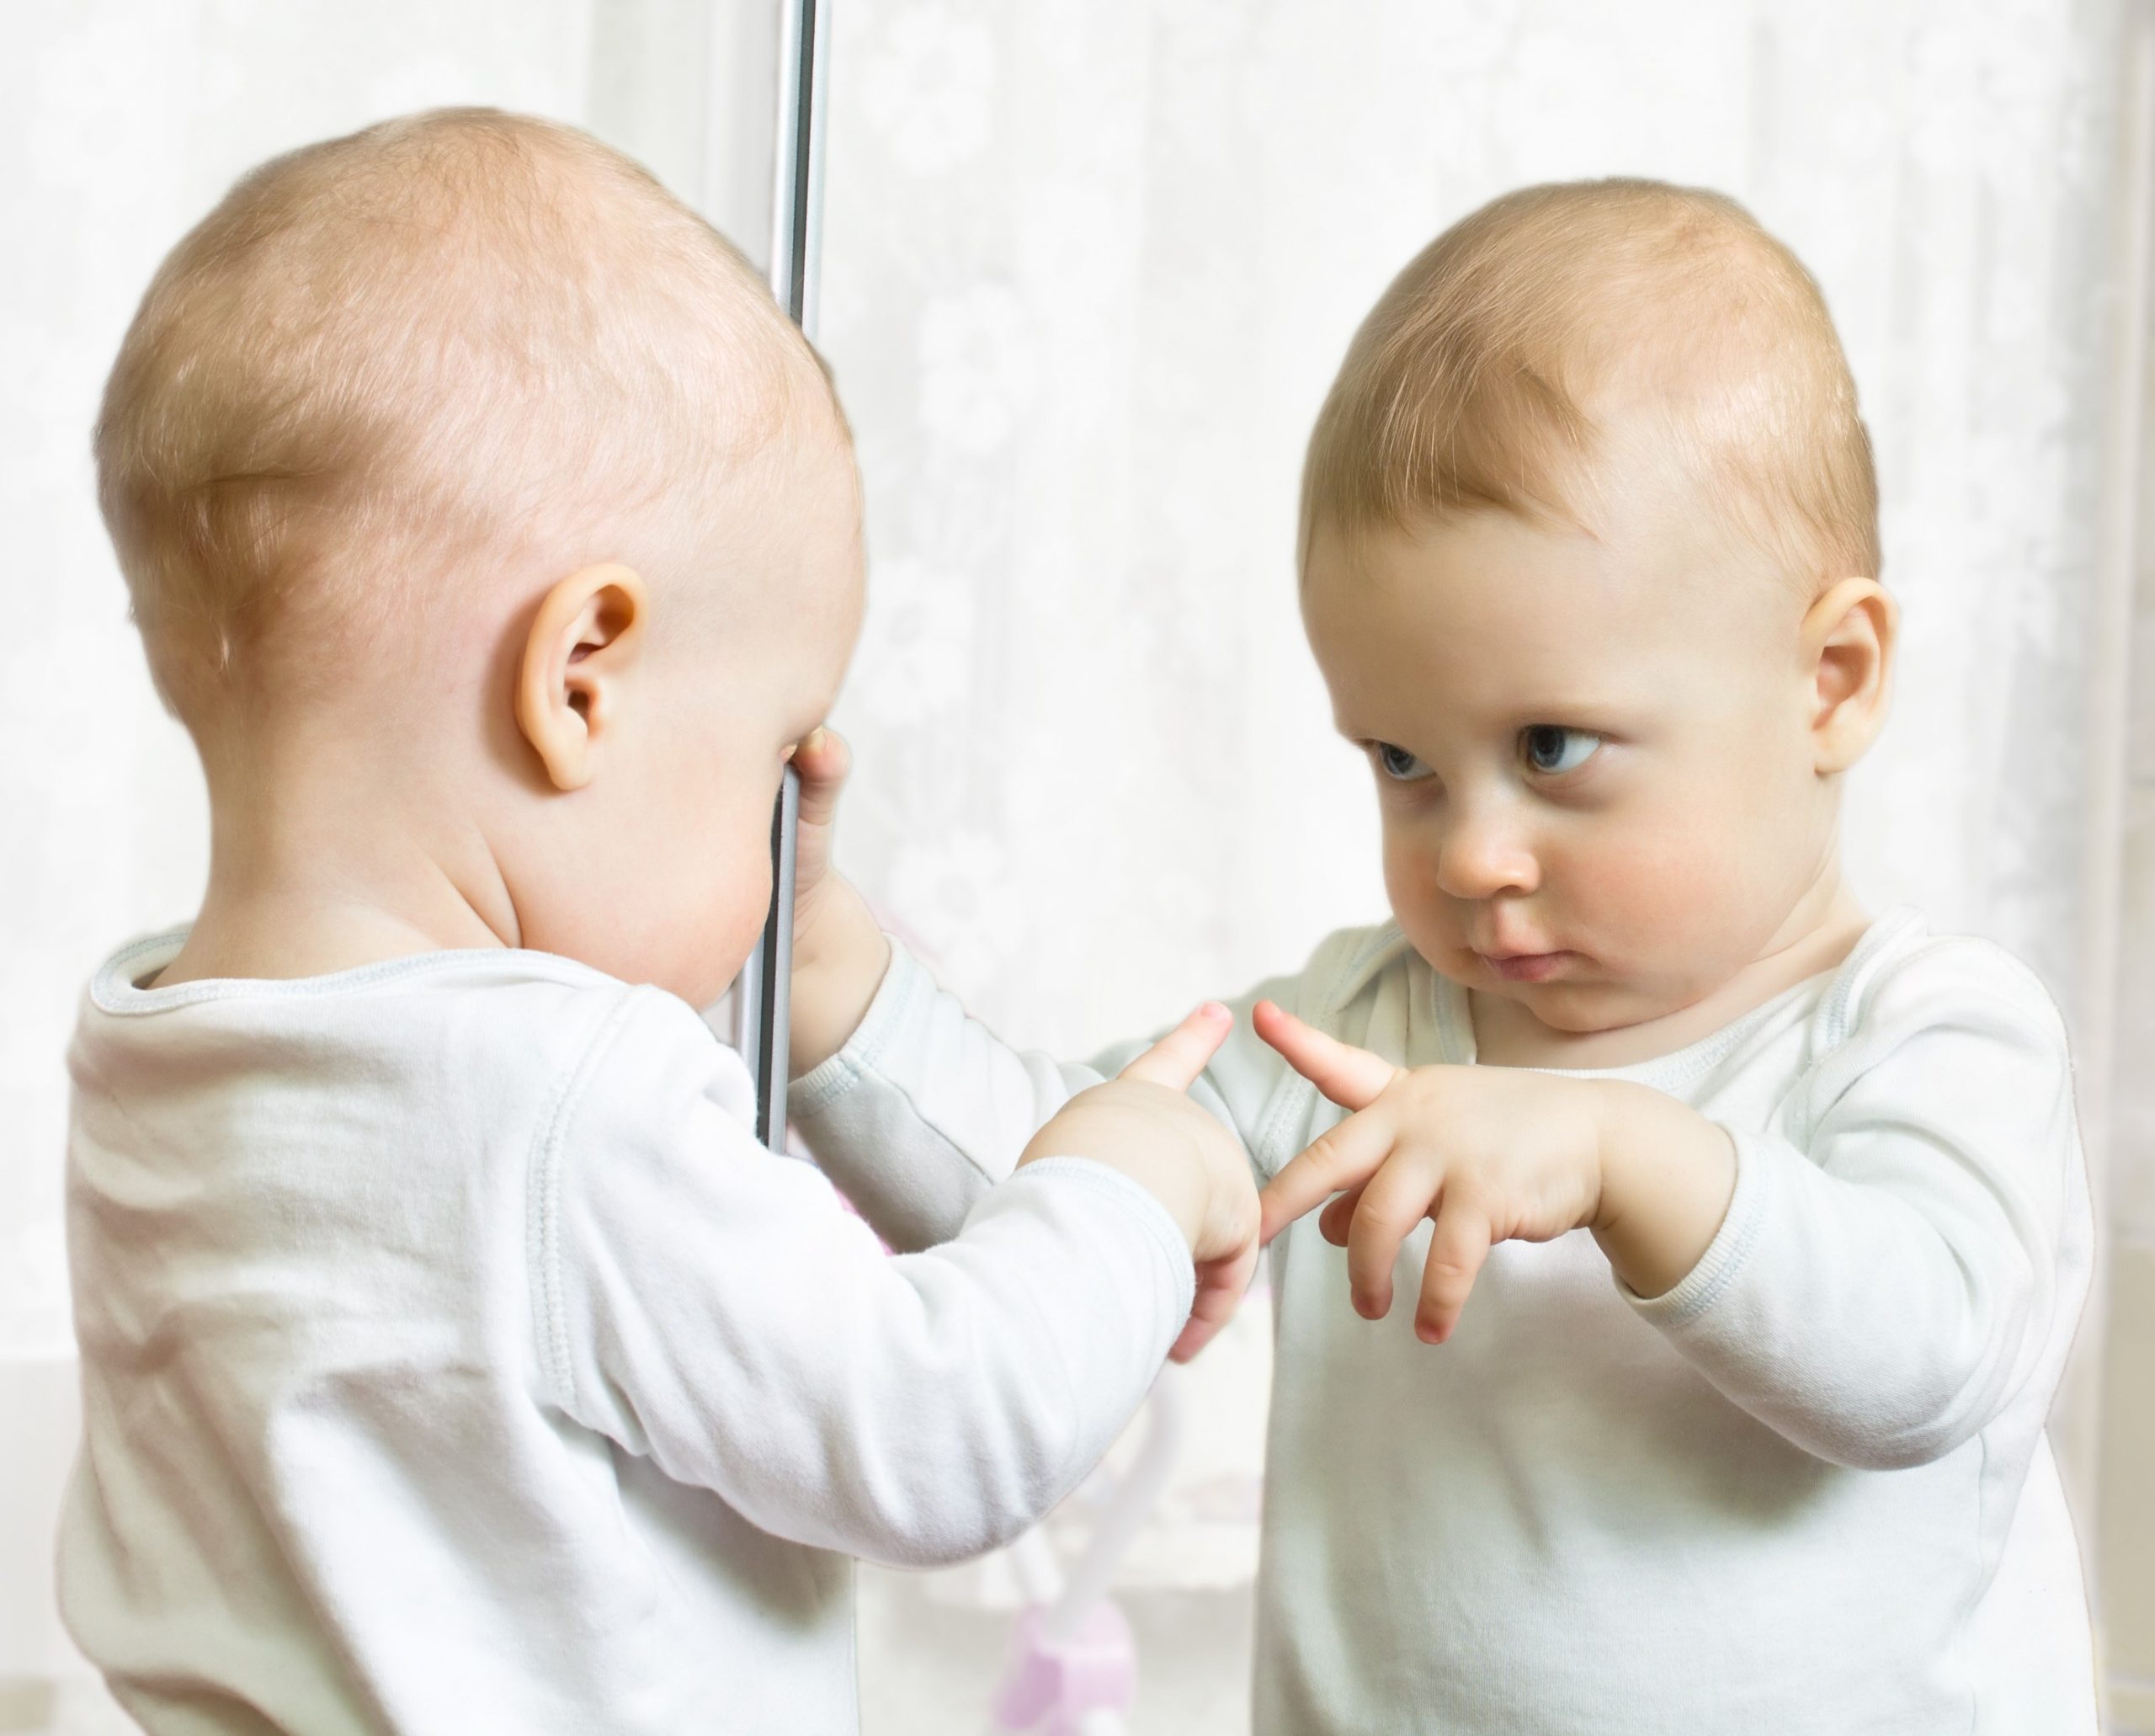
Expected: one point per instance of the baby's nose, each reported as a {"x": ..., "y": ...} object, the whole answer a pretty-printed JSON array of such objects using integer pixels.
[{"x": 1483, "y": 857}]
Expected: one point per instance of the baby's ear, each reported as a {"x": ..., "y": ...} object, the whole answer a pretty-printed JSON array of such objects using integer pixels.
[
  {"x": 1848, "y": 639},
  {"x": 576, "y": 657}
]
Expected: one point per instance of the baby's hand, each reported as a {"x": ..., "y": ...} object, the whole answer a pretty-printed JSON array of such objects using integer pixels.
[
  {"x": 1492, "y": 1154},
  {"x": 839, "y": 953},
  {"x": 1142, "y": 1123},
  {"x": 824, "y": 762}
]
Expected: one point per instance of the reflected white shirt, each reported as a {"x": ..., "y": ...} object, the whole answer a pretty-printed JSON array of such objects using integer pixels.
[{"x": 1807, "y": 1490}]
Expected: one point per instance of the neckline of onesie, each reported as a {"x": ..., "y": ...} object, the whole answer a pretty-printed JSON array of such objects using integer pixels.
[
  {"x": 1682, "y": 1067},
  {"x": 114, "y": 988}
]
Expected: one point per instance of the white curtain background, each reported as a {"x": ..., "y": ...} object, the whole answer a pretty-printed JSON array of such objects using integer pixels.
[{"x": 1088, "y": 268}]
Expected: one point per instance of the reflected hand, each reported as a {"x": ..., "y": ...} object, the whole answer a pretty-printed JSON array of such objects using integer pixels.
[
  {"x": 1491, "y": 1153},
  {"x": 1143, "y": 1123}
]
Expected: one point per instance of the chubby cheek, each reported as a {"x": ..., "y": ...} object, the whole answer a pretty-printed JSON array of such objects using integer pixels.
[
  {"x": 717, "y": 919},
  {"x": 1427, "y": 919},
  {"x": 722, "y": 909},
  {"x": 1657, "y": 902},
  {"x": 1639, "y": 896},
  {"x": 1668, "y": 904},
  {"x": 697, "y": 874}
]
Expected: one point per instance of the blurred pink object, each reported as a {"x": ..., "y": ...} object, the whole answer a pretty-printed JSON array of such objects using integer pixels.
[
  {"x": 1074, "y": 1660},
  {"x": 1058, "y": 1685}
]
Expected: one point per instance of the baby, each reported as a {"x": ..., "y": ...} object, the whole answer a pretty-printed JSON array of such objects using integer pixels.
[
  {"x": 1590, "y": 548},
  {"x": 454, "y": 1359}
]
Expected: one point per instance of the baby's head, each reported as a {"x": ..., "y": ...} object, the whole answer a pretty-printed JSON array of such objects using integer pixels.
[
  {"x": 1589, "y": 561},
  {"x": 470, "y": 486}
]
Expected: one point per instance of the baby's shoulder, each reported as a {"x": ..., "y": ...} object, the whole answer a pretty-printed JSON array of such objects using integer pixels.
[
  {"x": 465, "y": 1039},
  {"x": 518, "y": 1025},
  {"x": 1915, "y": 1017},
  {"x": 1904, "y": 977},
  {"x": 607, "y": 1063}
]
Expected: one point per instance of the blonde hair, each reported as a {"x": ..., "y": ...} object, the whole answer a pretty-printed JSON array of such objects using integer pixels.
[
  {"x": 388, "y": 367},
  {"x": 1501, "y": 364}
]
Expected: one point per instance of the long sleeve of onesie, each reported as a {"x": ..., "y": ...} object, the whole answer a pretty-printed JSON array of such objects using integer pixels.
[
  {"x": 1893, "y": 1263},
  {"x": 721, "y": 1316},
  {"x": 454, "y": 1359},
  {"x": 1902, "y": 1254},
  {"x": 925, "y": 1108}
]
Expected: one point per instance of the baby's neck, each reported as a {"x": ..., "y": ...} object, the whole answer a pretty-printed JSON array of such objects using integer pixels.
[
  {"x": 313, "y": 871},
  {"x": 1819, "y": 935}
]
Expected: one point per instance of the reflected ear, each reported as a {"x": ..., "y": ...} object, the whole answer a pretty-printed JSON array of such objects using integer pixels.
[
  {"x": 570, "y": 689},
  {"x": 1848, "y": 641}
]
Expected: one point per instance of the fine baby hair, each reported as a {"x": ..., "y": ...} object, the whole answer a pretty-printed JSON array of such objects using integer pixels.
[
  {"x": 390, "y": 368},
  {"x": 1529, "y": 343}
]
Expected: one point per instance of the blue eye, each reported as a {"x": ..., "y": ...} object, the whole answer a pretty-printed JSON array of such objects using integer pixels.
[
  {"x": 1397, "y": 762},
  {"x": 1552, "y": 750}
]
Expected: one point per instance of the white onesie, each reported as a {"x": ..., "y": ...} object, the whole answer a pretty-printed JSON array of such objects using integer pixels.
[
  {"x": 1807, "y": 1491},
  {"x": 455, "y": 1362}
]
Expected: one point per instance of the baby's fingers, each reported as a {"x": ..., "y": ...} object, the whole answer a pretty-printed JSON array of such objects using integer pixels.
[
  {"x": 1220, "y": 1286},
  {"x": 824, "y": 763},
  {"x": 1338, "y": 1216},
  {"x": 1396, "y": 1199},
  {"x": 1350, "y": 1076},
  {"x": 1345, "y": 1157},
  {"x": 1177, "y": 1059},
  {"x": 1458, "y": 1247}
]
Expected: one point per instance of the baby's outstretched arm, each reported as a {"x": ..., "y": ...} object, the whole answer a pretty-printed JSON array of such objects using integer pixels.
[
  {"x": 1874, "y": 1280},
  {"x": 707, "y": 1305},
  {"x": 1493, "y": 1154},
  {"x": 913, "y": 1106},
  {"x": 841, "y": 958}
]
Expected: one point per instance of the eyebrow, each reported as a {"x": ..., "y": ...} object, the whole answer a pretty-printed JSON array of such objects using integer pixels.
[
  {"x": 1604, "y": 707},
  {"x": 1600, "y": 709}
]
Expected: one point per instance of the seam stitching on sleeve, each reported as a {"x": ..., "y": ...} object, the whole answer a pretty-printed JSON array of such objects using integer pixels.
[
  {"x": 823, "y": 1085},
  {"x": 883, "y": 1024},
  {"x": 816, "y": 1090},
  {"x": 545, "y": 1195},
  {"x": 1293, "y": 1094},
  {"x": 1724, "y": 1270},
  {"x": 926, "y": 1120}
]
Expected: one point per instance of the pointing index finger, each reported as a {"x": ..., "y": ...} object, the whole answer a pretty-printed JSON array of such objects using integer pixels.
[
  {"x": 1350, "y": 1076},
  {"x": 1177, "y": 1058}
]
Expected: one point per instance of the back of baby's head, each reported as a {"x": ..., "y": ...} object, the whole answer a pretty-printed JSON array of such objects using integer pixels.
[
  {"x": 1563, "y": 327},
  {"x": 393, "y": 373}
]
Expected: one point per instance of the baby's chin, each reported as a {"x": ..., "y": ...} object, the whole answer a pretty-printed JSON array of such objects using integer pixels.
[
  {"x": 1578, "y": 998},
  {"x": 1573, "y": 1009}
]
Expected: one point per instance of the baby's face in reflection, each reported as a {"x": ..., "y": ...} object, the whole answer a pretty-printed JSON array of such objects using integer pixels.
[{"x": 1593, "y": 752}]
